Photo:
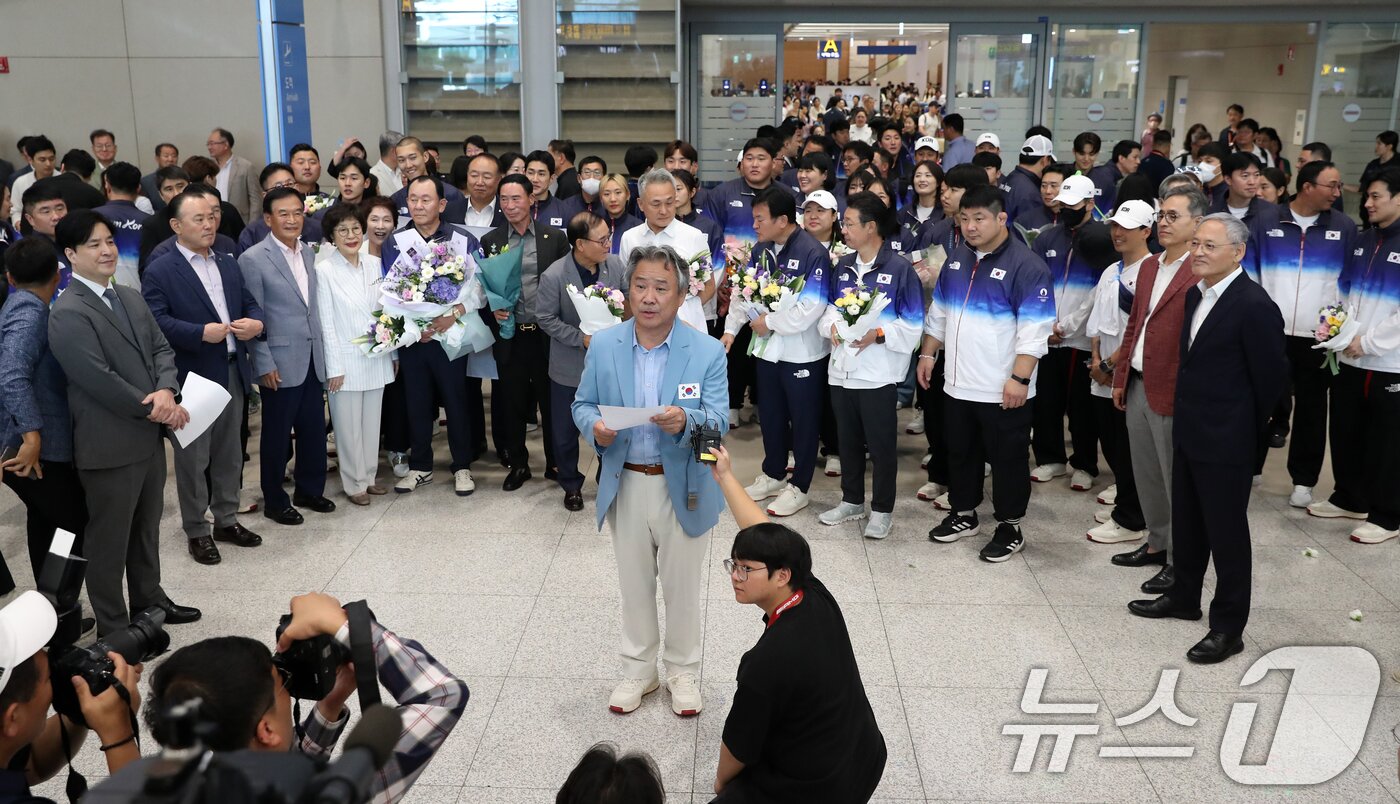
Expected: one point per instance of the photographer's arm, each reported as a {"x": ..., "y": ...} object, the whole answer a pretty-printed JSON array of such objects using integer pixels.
[{"x": 746, "y": 511}]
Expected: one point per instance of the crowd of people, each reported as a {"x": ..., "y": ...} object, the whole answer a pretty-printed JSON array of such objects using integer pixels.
[{"x": 1179, "y": 314}]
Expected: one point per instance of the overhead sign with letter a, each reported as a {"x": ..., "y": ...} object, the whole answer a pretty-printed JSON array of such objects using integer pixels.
[{"x": 829, "y": 49}]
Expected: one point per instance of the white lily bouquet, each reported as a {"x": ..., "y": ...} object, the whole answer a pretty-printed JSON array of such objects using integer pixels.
[
  {"x": 598, "y": 307},
  {"x": 860, "y": 312}
]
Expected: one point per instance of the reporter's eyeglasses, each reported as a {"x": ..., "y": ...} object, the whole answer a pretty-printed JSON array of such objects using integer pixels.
[{"x": 731, "y": 566}]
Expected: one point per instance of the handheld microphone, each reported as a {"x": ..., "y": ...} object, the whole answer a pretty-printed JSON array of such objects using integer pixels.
[{"x": 367, "y": 749}]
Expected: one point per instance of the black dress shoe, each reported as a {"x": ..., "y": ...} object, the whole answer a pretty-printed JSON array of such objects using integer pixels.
[
  {"x": 551, "y": 473},
  {"x": 1277, "y": 440},
  {"x": 238, "y": 535},
  {"x": 203, "y": 549},
  {"x": 516, "y": 478},
  {"x": 1140, "y": 558},
  {"x": 284, "y": 516},
  {"x": 573, "y": 500},
  {"x": 1162, "y": 607},
  {"x": 175, "y": 614},
  {"x": 1216, "y": 647},
  {"x": 320, "y": 505},
  {"x": 1162, "y": 582}
]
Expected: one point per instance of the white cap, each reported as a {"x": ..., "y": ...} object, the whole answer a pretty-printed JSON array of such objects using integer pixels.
[
  {"x": 990, "y": 139},
  {"x": 1134, "y": 214},
  {"x": 26, "y": 626},
  {"x": 821, "y": 198},
  {"x": 925, "y": 142},
  {"x": 1074, "y": 189},
  {"x": 1038, "y": 145}
]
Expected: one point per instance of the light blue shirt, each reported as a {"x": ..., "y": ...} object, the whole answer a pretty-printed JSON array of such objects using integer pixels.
[
  {"x": 959, "y": 151},
  {"x": 648, "y": 367}
]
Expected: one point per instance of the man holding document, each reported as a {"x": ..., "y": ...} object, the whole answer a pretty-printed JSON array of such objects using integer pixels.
[
  {"x": 201, "y": 306},
  {"x": 660, "y": 502}
]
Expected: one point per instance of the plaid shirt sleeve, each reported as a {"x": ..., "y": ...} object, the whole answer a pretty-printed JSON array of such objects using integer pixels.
[{"x": 431, "y": 701}]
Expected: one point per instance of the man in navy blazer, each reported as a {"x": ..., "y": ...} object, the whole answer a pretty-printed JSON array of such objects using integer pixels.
[
  {"x": 660, "y": 502},
  {"x": 289, "y": 360},
  {"x": 198, "y": 299},
  {"x": 1234, "y": 368}
]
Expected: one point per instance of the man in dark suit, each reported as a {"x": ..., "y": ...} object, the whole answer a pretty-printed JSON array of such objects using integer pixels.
[
  {"x": 167, "y": 155},
  {"x": 72, "y": 181},
  {"x": 289, "y": 360},
  {"x": 523, "y": 360},
  {"x": 1233, "y": 370},
  {"x": 122, "y": 391},
  {"x": 197, "y": 297}
]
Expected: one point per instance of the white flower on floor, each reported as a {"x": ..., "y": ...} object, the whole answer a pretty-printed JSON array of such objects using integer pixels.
[
  {"x": 1355, "y": 615},
  {"x": 1310, "y": 552}
]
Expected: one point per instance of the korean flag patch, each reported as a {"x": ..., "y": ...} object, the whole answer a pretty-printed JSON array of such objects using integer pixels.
[
  {"x": 1394, "y": 257},
  {"x": 1333, "y": 235},
  {"x": 688, "y": 390},
  {"x": 998, "y": 273},
  {"x": 884, "y": 279},
  {"x": 794, "y": 264}
]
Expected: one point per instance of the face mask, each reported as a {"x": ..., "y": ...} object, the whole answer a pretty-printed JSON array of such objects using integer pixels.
[
  {"x": 1206, "y": 171},
  {"x": 591, "y": 186},
  {"x": 1072, "y": 217}
]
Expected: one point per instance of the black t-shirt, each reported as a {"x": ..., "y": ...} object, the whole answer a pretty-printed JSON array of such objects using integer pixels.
[{"x": 800, "y": 722}]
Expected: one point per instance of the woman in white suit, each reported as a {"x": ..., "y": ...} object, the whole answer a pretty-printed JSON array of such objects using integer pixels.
[{"x": 347, "y": 294}]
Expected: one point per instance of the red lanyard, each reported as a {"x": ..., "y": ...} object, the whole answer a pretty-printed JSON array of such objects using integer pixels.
[{"x": 787, "y": 604}]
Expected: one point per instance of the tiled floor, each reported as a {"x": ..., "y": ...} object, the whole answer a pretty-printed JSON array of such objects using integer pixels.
[{"x": 517, "y": 596}]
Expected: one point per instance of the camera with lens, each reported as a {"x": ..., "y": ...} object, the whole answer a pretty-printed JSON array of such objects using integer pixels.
[
  {"x": 703, "y": 439},
  {"x": 309, "y": 665}
]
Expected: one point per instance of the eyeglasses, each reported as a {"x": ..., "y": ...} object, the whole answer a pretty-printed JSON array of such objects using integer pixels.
[
  {"x": 1211, "y": 248},
  {"x": 283, "y": 673},
  {"x": 1172, "y": 217},
  {"x": 347, "y": 231},
  {"x": 731, "y": 566},
  {"x": 605, "y": 240},
  {"x": 1336, "y": 186},
  {"x": 217, "y": 142}
]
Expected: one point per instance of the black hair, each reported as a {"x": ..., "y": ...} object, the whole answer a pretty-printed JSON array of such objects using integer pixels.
[
  {"x": 934, "y": 170},
  {"x": 602, "y": 777},
  {"x": 475, "y": 139},
  {"x": 602, "y": 163},
  {"x": 279, "y": 193},
  {"x": 687, "y": 178},
  {"x": 871, "y": 209},
  {"x": 169, "y": 173},
  {"x": 1041, "y": 130},
  {"x": 339, "y": 214},
  {"x": 987, "y": 159},
  {"x": 1163, "y": 136},
  {"x": 232, "y": 676},
  {"x": 1390, "y": 138},
  {"x": 1241, "y": 161},
  {"x": 776, "y": 547},
  {"x": 1389, "y": 176},
  {"x": 1061, "y": 169},
  {"x": 889, "y": 125},
  {"x": 516, "y": 178},
  {"x": 298, "y": 148},
  {"x": 273, "y": 167},
  {"x": 436, "y": 182},
  {"x": 39, "y": 192},
  {"x": 1277, "y": 179},
  {"x": 1125, "y": 148},
  {"x": 1319, "y": 149},
  {"x": 1136, "y": 187},
  {"x": 767, "y": 132},
  {"x": 1214, "y": 149},
  {"x": 984, "y": 197},
  {"x": 966, "y": 176},
  {"x": 358, "y": 162},
  {"x": 681, "y": 147},
  {"x": 165, "y": 145},
  {"x": 1235, "y": 107},
  {"x": 37, "y": 144},
  {"x": 838, "y": 125},
  {"x": 80, "y": 162},
  {"x": 1307, "y": 174},
  {"x": 580, "y": 225},
  {"x": 762, "y": 143},
  {"x": 1088, "y": 141},
  {"x": 124, "y": 177},
  {"x": 196, "y": 190},
  {"x": 369, "y": 203},
  {"x": 226, "y": 134},
  {"x": 505, "y": 160},
  {"x": 31, "y": 261},
  {"x": 77, "y": 227},
  {"x": 822, "y": 141},
  {"x": 101, "y": 132},
  {"x": 863, "y": 150},
  {"x": 1249, "y": 123},
  {"x": 564, "y": 148},
  {"x": 461, "y": 166},
  {"x": 639, "y": 159},
  {"x": 780, "y": 202},
  {"x": 24, "y": 678},
  {"x": 819, "y": 161},
  {"x": 954, "y": 121},
  {"x": 543, "y": 157}
]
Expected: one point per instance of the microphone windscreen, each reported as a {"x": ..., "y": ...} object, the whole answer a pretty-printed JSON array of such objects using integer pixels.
[{"x": 378, "y": 730}]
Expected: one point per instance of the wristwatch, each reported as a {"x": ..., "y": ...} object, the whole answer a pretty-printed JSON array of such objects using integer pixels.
[
  {"x": 880, "y": 335},
  {"x": 1021, "y": 380},
  {"x": 1106, "y": 367}
]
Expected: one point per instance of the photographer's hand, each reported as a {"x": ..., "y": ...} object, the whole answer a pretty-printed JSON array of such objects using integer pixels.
[
  {"x": 313, "y": 614},
  {"x": 746, "y": 511},
  {"x": 332, "y": 707},
  {"x": 110, "y": 716}
]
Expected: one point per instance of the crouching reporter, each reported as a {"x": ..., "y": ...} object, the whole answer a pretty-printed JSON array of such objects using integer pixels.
[{"x": 32, "y": 742}]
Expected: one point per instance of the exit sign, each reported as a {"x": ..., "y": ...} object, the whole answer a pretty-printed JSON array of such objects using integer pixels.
[{"x": 4, "y": 64}]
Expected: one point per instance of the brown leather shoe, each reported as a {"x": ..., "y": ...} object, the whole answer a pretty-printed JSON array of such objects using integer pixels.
[
  {"x": 203, "y": 550},
  {"x": 377, "y": 490},
  {"x": 238, "y": 535},
  {"x": 359, "y": 499}
]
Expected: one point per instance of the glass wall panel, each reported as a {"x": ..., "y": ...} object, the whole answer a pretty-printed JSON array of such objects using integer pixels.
[
  {"x": 1357, "y": 95},
  {"x": 736, "y": 96},
  {"x": 994, "y": 84},
  {"x": 1093, "y": 84}
]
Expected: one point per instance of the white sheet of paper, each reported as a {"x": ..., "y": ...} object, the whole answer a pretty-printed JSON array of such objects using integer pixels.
[
  {"x": 616, "y": 418},
  {"x": 204, "y": 400}
]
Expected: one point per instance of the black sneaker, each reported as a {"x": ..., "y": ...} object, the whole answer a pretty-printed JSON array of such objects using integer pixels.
[
  {"x": 1006, "y": 542},
  {"x": 953, "y": 527}
]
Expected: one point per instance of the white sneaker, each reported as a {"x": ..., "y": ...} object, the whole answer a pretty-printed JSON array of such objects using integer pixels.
[
  {"x": 879, "y": 525},
  {"x": 1111, "y": 532},
  {"x": 844, "y": 512},
  {"x": 1081, "y": 481},
  {"x": 986, "y": 470},
  {"x": 1258, "y": 481},
  {"x": 833, "y": 466},
  {"x": 789, "y": 502},
  {"x": 685, "y": 695},
  {"x": 764, "y": 487},
  {"x": 330, "y": 445},
  {"x": 1301, "y": 497},
  {"x": 1048, "y": 471},
  {"x": 531, "y": 427},
  {"x": 627, "y": 696},
  {"x": 1370, "y": 533},
  {"x": 916, "y": 424},
  {"x": 926, "y": 460},
  {"x": 1109, "y": 496},
  {"x": 398, "y": 461},
  {"x": 1103, "y": 515},
  {"x": 463, "y": 483},
  {"x": 932, "y": 491},
  {"x": 792, "y": 463},
  {"x": 733, "y": 418},
  {"x": 1326, "y": 510},
  {"x": 941, "y": 502},
  {"x": 412, "y": 481}
]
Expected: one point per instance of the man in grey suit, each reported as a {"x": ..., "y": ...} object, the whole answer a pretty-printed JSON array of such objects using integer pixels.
[
  {"x": 122, "y": 392},
  {"x": 589, "y": 263},
  {"x": 289, "y": 360},
  {"x": 237, "y": 182}
]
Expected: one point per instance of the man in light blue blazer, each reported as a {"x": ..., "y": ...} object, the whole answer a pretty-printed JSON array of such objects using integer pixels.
[
  {"x": 289, "y": 359},
  {"x": 660, "y": 503}
]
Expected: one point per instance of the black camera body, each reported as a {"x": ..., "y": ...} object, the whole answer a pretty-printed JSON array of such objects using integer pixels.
[
  {"x": 310, "y": 665},
  {"x": 703, "y": 438}
]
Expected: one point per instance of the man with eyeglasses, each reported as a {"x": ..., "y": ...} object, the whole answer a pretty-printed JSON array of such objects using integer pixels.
[
  {"x": 237, "y": 182},
  {"x": 1233, "y": 366},
  {"x": 1297, "y": 252}
]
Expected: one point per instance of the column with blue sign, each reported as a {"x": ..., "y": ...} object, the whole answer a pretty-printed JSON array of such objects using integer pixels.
[{"x": 286, "y": 95}]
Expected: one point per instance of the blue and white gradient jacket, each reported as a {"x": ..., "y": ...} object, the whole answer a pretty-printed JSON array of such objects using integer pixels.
[
  {"x": 797, "y": 337},
  {"x": 1299, "y": 269},
  {"x": 987, "y": 311},
  {"x": 129, "y": 221},
  {"x": 880, "y": 364},
  {"x": 731, "y": 205},
  {"x": 1076, "y": 259},
  {"x": 1370, "y": 288}
]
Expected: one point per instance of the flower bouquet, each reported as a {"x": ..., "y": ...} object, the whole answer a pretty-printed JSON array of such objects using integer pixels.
[
  {"x": 702, "y": 270},
  {"x": 499, "y": 272},
  {"x": 422, "y": 286},
  {"x": 598, "y": 307},
  {"x": 1335, "y": 332},
  {"x": 387, "y": 333},
  {"x": 860, "y": 311},
  {"x": 839, "y": 250},
  {"x": 319, "y": 202}
]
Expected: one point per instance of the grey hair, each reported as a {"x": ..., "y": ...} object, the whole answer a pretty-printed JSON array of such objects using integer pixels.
[
  {"x": 1177, "y": 180},
  {"x": 388, "y": 140},
  {"x": 1196, "y": 200},
  {"x": 1235, "y": 228},
  {"x": 665, "y": 254},
  {"x": 660, "y": 176}
]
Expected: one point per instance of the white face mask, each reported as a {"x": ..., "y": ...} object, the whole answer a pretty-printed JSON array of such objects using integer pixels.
[
  {"x": 1206, "y": 171},
  {"x": 591, "y": 186}
]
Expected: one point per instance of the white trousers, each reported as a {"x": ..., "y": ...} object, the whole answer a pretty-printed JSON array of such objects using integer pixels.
[
  {"x": 355, "y": 415},
  {"x": 649, "y": 542}
]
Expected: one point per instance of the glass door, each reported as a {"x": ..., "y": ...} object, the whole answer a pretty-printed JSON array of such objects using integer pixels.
[
  {"x": 995, "y": 79},
  {"x": 735, "y": 84},
  {"x": 1094, "y": 83}
]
